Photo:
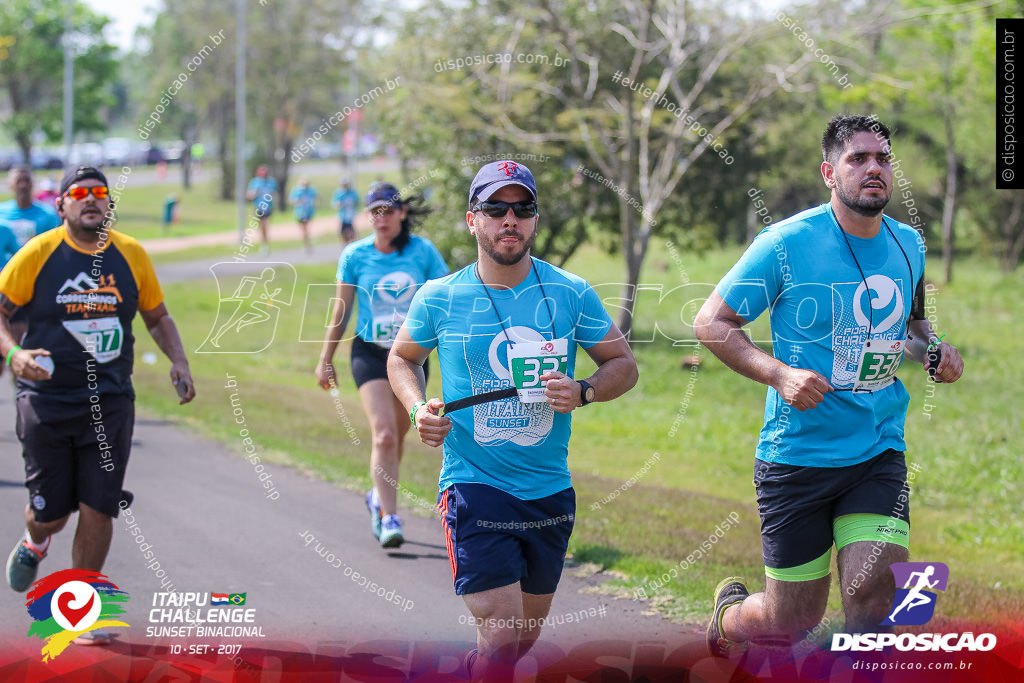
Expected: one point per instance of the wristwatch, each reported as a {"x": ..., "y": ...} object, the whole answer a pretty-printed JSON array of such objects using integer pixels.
[{"x": 587, "y": 393}]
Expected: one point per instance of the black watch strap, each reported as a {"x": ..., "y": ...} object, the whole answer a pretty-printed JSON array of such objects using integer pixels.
[{"x": 585, "y": 388}]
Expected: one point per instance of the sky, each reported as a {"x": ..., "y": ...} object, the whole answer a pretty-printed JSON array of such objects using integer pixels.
[{"x": 126, "y": 16}]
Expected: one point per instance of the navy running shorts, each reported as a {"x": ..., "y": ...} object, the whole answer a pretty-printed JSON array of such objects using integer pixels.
[{"x": 495, "y": 539}]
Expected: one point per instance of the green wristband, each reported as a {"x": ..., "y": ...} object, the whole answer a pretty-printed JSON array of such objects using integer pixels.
[
  {"x": 412, "y": 413},
  {"x": 11, "y": 353}
]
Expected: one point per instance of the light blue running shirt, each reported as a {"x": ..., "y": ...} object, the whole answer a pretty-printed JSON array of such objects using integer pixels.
[
  {"x": 519, "y": 448},
  {"x": 385, "y": 283},
  {"x": 27, "y": 223},
  {"x": 803, "y": 271},
  {"x": 265, "y": 189},
  {"x": 346, "y": 201}
]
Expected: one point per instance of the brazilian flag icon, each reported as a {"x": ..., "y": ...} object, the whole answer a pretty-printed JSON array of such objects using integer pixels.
[{"x": 237, "y": 598}]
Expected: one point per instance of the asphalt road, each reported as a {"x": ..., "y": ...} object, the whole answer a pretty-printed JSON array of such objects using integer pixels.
[{"x": 295, "y": 550}]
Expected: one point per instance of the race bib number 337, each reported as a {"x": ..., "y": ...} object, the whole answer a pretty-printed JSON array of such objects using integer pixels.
[{"x": 527, "y": 361}]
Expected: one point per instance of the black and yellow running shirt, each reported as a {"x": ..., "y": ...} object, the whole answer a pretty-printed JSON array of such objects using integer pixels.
[{"x": 79, "y": 305}]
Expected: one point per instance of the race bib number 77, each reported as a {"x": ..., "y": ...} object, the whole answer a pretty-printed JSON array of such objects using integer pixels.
[{"x": 102, "y": 337}]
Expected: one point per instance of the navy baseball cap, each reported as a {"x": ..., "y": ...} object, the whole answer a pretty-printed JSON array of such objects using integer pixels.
[
  {"x": 81, "y": 173},
  {"x": 382, "y": 194},
  {"x": 498, "y": 174}
]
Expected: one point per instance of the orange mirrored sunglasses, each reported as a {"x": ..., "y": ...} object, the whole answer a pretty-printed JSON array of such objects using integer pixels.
[{"x": 99, "y": 192}]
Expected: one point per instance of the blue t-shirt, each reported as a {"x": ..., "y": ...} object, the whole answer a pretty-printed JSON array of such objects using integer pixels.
[
  {"x": 803, "y": 271},
  {"x": 265, "y": 189},
  {"x": 385, "y": 283},
  {"x": 519, "y": 448},
  {"x": 27, "y": 223},
  {"x": 303, "y": 200},
  {"x": 8, "y": 245},
  {"x": 346, "y": 201}
]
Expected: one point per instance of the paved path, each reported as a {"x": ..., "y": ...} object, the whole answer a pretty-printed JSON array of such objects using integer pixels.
[{"x": 211, "y": 527}]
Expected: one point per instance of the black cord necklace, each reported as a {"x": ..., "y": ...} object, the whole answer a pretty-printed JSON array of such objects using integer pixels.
[
  {"x": 494, "y": 307},
  {"x": 871, "y": 308}
]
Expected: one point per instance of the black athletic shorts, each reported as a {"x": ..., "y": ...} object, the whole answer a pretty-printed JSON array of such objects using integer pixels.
[
  {"x": 370, "y": 361},
  {"x": 800, "y": 506},
  {"x": 347, "y": 229},
  {"x": 75, "y": 452}
]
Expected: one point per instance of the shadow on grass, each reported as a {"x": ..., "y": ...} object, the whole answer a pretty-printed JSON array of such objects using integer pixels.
[{"x": 603, "y": 555}]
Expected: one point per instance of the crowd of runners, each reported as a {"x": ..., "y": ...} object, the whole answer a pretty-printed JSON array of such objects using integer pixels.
[{"x": 843, "y": 285}]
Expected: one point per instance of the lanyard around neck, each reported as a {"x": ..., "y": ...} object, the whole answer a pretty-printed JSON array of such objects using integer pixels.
[
  {"x": 871, "y": 321},
  {"x": 494, "y": 307}
]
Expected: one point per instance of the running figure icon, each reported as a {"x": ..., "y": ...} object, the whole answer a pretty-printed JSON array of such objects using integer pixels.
[{"x": 916, "y": 597}]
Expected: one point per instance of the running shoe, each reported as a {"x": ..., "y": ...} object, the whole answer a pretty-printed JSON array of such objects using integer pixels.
[
  {"x": 373, "y": 505},
  {"x": 22, "y": 565},
  {"x": 391, "y": 532},
  {"x": 728, "y": 592},
  {"x": 96, "y": 637}
]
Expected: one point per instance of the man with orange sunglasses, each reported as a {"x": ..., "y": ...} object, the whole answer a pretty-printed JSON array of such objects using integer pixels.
[{"x": 80, "y": 285}]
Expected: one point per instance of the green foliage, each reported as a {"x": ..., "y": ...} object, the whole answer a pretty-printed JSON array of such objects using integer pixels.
[
  {"x": 965, "y": 499},
  {"x": 32, "y": 68}
]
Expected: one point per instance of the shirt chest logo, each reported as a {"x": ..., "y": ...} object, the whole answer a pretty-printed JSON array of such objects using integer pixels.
[{"x": 81, "y": 295}]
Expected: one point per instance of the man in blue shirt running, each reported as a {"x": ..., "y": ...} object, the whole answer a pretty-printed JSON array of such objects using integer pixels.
[
  {"x": 260, "y": 192},
  {"x": 346, "y": 201},
  {"x": 506, "y": 330},
  {"x": 21, "y": 219},
  {"x": 844, "y": 285},
  {"x": 24, "y": 217}
]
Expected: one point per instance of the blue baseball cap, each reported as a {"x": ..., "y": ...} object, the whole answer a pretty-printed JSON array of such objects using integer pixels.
[
  {"x": 381, "y": 194},
  {"x": 498, "y": 174}
]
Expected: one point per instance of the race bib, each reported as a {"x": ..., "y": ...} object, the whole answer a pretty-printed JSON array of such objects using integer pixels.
[
  {"x": 878, "y": 363},
  {"x": 527, "y": 361},
  {"x": 101, "y": 337},
  {"x": 385, "y": 328}
]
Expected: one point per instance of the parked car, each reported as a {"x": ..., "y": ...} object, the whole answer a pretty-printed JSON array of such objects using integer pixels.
[
  {"x": 119, "y": 152},
  {"x": 8, "y": 158},
  {"x": 44, "y": 158},
  {"x": 151, "y": 154},
  {"x": 173, "y": 151},
  {"x": 86, "y": 154}
]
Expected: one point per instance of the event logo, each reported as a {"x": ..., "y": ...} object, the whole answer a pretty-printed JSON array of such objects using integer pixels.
[
  {"x": 883, "y": 296},
  {"x": 69, "y": 603},
  {"x": 914, "y": 603},
  {"x": 396, "y": 287}
]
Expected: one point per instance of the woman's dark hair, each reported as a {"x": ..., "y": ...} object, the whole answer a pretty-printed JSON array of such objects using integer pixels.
[{"x": 416, "y": 211}]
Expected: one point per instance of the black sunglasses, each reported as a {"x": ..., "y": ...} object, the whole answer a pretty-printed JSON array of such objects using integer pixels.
[{"x": 499, "y": 209}]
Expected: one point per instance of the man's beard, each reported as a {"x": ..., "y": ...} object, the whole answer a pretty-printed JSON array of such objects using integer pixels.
[
  {"x": 78, "y": 224},
  {"x": 489, "y": 247},
  {"x": 869, "y": 207}
]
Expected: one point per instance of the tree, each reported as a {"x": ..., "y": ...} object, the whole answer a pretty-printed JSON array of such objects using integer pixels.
[
  {"x": 32, "y": 69},
  {"x": 191, "y": 65},
  {"x": 442, "y": 120}
]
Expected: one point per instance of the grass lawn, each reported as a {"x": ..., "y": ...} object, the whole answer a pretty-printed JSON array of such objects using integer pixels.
[
  {"x": 659, "y": 470},
  {"x": 140, "y": 208}
]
